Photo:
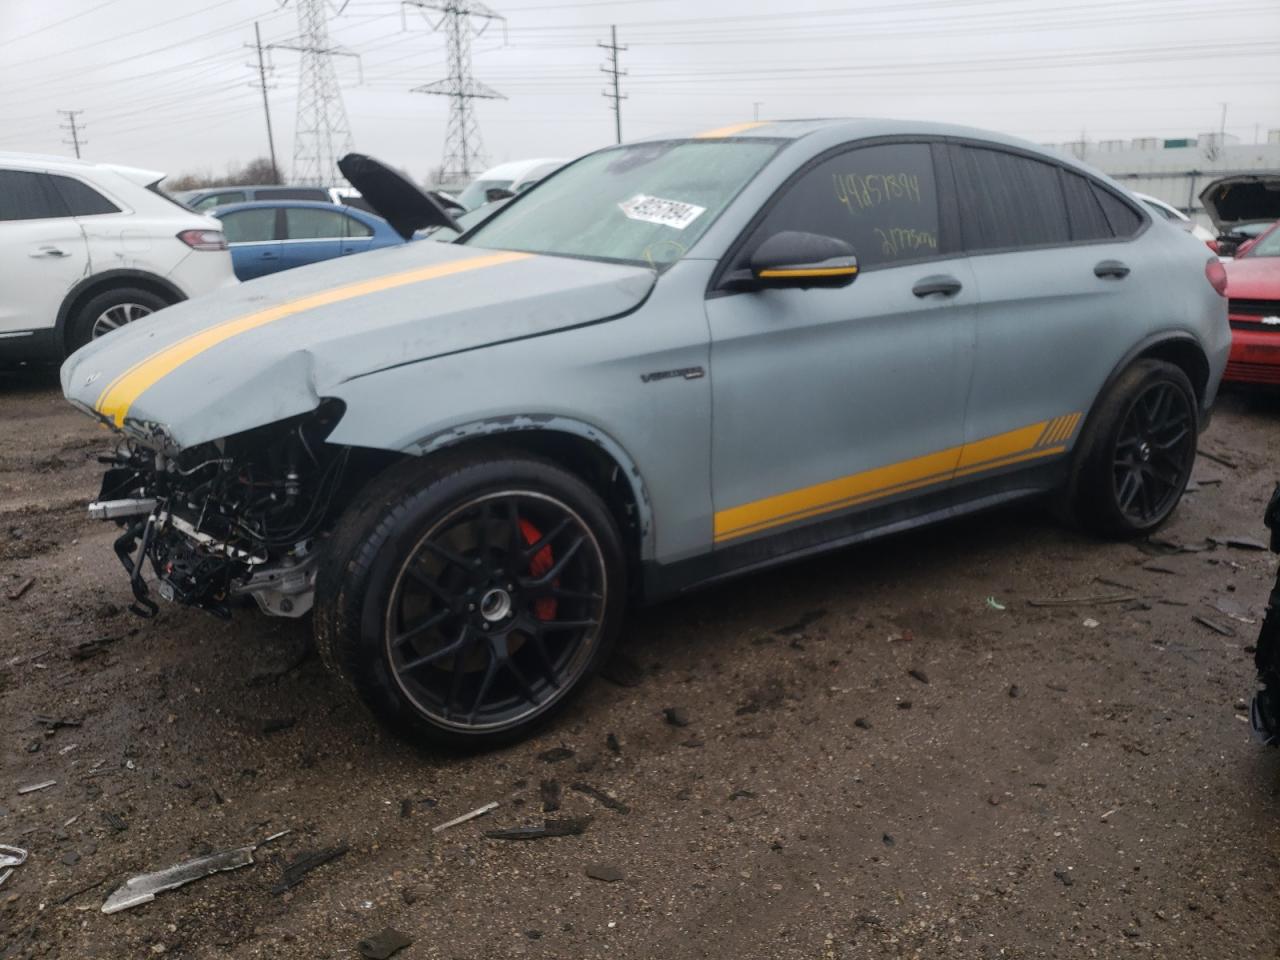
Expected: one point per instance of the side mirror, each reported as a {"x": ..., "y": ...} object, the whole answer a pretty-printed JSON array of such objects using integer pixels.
[
  {"x": 494, "y": 194},
  {"x": 796, "y": 259}
]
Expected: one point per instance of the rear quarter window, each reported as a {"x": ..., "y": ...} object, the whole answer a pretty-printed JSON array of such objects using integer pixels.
[
  {"x": 1008, "y": 201},
  {"x": 1088, "y": 221},
  {"x": 1124, "y": 219},
  {"x": 81, "y": 199}
]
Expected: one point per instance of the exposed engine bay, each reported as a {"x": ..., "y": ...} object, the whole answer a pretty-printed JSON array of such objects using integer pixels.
[{"x": 236, "y": 517}]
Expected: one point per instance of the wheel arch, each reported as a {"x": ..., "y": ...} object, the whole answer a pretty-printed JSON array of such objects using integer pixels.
[
  {"x": 98, "y": 283},
  {"x": 582, "y": 449}
]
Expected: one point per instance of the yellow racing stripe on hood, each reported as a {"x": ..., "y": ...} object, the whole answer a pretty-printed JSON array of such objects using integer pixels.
[{"x": 119, "y": 395}]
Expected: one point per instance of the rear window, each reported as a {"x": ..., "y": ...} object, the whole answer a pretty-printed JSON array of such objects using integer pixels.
[
  {"x": 291, "y": 193},
  {"x": 81, "y": 199},
  {"x": 1008, "y": 201},
  {"x": 28, "y": 196},
  {"x": 218, "y": 200}
]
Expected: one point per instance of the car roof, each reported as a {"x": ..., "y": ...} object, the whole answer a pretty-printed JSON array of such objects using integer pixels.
[
  {"x": 298, "y": 204},
  {"x": 49, "y": 161},
  {"x": 254, "y": 186}
]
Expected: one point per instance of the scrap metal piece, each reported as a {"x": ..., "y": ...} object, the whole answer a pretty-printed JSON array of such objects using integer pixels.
[
  {"x": 477, "y": 812},
  {"x": 1094, "y": 601},
  {"x": 568, "y": 827},
  {"x": 23, "y": 587},
  {"x": 304, "y": 864},
  {"x": 143, "y": 888},
  {"x": 32, "y": 788},
  {"x": 10, "y": 857}
]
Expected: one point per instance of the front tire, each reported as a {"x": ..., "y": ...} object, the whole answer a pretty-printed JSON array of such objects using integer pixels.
[
  {"x": 468, "y": 598},
  {"x": 1137, "y": 455}
]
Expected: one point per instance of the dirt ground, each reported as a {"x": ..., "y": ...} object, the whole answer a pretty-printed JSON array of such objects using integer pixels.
[{"x": 1051, "y": 781}]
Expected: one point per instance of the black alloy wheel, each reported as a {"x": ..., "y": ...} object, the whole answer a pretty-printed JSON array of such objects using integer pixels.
[
  {"x": 1154, "y": 453},
  {"x": 496, "y": 612}
]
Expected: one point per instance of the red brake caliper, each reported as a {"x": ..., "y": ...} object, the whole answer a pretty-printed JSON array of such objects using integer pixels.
[{"x": 544, "y": 609}]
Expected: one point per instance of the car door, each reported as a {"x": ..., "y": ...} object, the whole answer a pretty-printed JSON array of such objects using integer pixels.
[
  {"x": 357, "y": 236},
  {"x": 831, "y": 402},
  {"x": 253, "y": 236},
  {"x": 312, "y": 234},
  {"x": 43, "y": 253},
  {"x": 1049, "y": 253}
]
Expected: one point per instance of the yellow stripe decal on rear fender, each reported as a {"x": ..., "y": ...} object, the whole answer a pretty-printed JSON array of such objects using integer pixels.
[
  {"x": 730, "y": 131},
  {"x": 992, "y": 453},
  {"x": 119, "y": 395}
]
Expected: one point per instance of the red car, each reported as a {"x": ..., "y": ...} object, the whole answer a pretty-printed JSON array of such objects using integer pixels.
[{"x": 1253, "y": 291}]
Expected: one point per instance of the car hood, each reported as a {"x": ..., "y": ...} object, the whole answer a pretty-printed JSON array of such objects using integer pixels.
[
  {"x": 1253, "y": 278},
  {"x": 273, "y": 348},
  {"x": 1243, "y": 198}
]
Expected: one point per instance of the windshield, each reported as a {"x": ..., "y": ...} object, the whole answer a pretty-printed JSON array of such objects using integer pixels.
[
  {"x": 1268, "y": 246},
  {"x": 474, "y": 195},
  {"x": 647, "y": 203}
]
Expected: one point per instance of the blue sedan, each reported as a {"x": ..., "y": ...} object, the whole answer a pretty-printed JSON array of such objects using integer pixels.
[{"x": 268, "y": 236}]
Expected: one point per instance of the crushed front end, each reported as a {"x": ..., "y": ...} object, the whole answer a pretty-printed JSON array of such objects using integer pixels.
[
  {"x": 1266, "y": 702},
  {"x": 236, "y": 517}
]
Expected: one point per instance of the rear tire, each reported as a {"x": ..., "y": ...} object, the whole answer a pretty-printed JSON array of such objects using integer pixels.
[
  {"x": 1137, "y": 453},
  {"x": 468, "y": 598},
  {"x": 110, "y": 310}
]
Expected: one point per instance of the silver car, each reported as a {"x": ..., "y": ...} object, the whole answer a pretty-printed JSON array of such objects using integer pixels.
[{"x": 668, "y": 363}]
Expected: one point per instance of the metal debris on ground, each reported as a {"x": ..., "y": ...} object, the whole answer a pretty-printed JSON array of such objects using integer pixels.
[
  {"x": 477, "y": 812},
  {"x": 604, "y": 871},
  {"x": 55, "y": 723},
  {"x": 600, "y": 797},
  {"x": 1213, "y": 625},
  {"x": 114, "y": 821},
  {"x": 995, "y": 604},
  {"x": 91, "y": 648},
  {"x": 1240, "y": 543},
  {"x": 806, "y": 620},
  {"x": 10, "y": 857},
  {"x": 918, "y": 675},
  {"x": 144, "y": 887},
  {"x": 567, "y": 827},
  {"x": 17, "y": 592},
  {"x": 1094, "y": 601},
  {"x": 1217, "y": 458},
  {"x": 550, "y": 793},
  {"x": 1089, "y": 622},
  {"x": 1238, "y": 617},
  {"x": 383, "y": 945},
  {"x": 32, "y": 788},
  {"x": 303, "y": 864}
]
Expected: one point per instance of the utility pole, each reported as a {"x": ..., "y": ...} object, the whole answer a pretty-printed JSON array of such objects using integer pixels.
[
  {"x": 322, "y": 134},
  {"x": 463, "y": 148},
  {"x": 617, "y": 97},
  {"x": 266, "y": 106},
  {"x": 756, "y": 109},
  {"x": 75, "y": 140}
]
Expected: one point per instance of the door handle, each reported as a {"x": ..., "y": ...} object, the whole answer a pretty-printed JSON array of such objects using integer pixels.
[
  {"x": 49, "y": 251},
  {"x": 268, "y": 255},
  {"x": 1111, "y": 268},
  {"x": 939, "y": 283}
]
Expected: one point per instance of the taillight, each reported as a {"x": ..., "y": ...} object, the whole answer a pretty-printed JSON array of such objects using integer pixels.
[
  {"x": 1216, "y": 274},
  {"x": 203, "y": 239}
]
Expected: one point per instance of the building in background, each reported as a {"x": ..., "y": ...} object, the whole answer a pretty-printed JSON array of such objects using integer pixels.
[{"x": 1176, "y": 170}]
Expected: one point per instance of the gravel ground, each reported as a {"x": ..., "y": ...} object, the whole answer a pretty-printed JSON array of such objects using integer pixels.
[{"x": 875, "y": 761}]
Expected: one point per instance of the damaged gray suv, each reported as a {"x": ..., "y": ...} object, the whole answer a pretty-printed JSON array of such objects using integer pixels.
[{"x": 668, "y": 363}]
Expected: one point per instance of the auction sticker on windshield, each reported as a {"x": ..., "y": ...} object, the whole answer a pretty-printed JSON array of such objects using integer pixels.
[{"x": 668, "y": 213}]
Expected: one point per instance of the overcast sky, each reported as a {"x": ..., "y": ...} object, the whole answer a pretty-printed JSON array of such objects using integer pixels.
[{"x": 166, "y": 85}]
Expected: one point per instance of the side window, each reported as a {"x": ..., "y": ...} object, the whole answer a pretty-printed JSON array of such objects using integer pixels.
[
  {"x": 1008, "y": 201},
  {"x": 28, "y": 196},
  {"x": 250, "y": 226},
  {"x": 882, "y": 200},
  {"x": 355, "y": 228},
  {"x": 306, "y": 223},
  {"x": 1125, "y": 221},
  {"x": 1088, "y": 222},
  {"x": 218, "y": 199},
  {"x": 81, "y": 199}
]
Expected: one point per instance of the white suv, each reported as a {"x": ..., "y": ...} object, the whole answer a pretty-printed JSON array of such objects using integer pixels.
[{"x": 87, "y": 247}]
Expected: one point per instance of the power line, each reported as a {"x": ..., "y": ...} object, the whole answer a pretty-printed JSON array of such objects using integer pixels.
[
  {"x": 617, "y": 97},
  {"x": 70, "y": 125},
  {"x": 463, "y": 148}
]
